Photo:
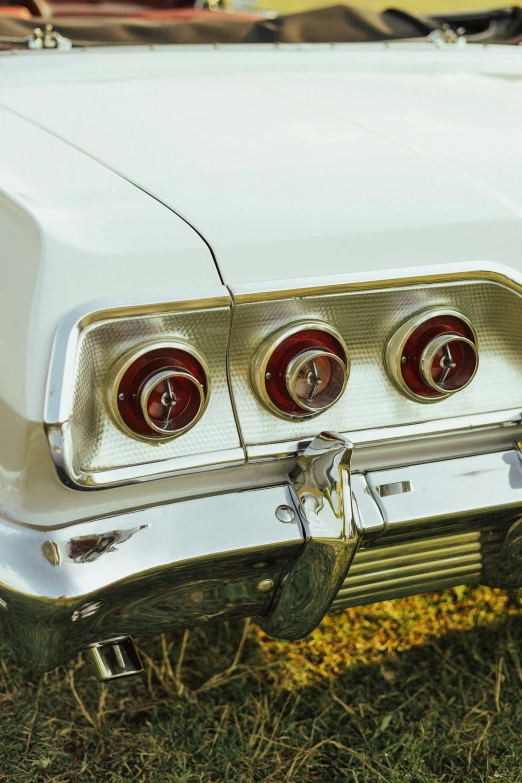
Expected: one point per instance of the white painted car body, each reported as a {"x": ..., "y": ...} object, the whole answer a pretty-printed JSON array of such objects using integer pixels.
[
  {"x": 134, "y": 176},
  {"x": 291, "y": 162}
]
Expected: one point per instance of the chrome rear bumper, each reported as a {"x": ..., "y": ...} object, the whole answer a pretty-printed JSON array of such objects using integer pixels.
[
  {"x": 144, "y": 572},
  {"x": 288, "y": 553}
]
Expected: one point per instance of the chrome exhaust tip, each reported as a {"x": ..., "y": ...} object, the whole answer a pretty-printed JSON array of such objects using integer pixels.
[{"x": 114, "y": 658}]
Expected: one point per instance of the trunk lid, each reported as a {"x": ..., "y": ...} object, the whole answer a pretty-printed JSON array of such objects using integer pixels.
[{"x": 302, "y": 161}]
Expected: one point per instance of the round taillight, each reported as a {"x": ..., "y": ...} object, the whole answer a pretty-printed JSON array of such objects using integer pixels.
[
  {"x": 301, "y": 371},
  {"x": 158, "y": 392},
  {"x": 433, "y": 355}
]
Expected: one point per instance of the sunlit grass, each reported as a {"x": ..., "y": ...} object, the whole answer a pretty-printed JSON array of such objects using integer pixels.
[
  {"x": 412, "y": 6},
  {"x": 419, "y": 689}
]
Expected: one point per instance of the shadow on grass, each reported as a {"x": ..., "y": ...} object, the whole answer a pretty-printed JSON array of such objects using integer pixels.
[{"x": 420, "y": 689}]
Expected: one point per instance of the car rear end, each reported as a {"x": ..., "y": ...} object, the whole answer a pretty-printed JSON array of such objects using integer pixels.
[{"x": 190, "y": 436}]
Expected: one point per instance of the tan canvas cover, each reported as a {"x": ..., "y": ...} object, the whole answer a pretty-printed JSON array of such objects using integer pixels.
[{"x": 338, "y": 23}]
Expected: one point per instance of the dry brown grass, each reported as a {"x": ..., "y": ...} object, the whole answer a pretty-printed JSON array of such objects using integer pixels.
[{"x": 419, "y": 689}]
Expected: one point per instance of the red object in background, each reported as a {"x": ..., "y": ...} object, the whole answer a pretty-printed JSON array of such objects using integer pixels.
[
  {"x": 154, "y": 10},
  {"x": 452, "y": 367},
  {"x": 189, "y": 14},
  {"x": 18, "y": 11},
  {"x": 108, "y": 8}
]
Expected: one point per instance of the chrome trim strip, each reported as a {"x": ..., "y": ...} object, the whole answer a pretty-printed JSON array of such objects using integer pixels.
[
  {"x": 369, "y": 438},
  {"x": 59, "y": 443},
  {"x": 246, "y": 293}
]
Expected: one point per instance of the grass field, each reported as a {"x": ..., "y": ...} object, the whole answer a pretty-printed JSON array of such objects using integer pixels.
[{"x": 408, "y": 691}]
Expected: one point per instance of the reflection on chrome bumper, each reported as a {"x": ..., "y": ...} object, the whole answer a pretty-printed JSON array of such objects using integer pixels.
[
  {"x": 143, "y": 573},
  {"x": 287, "y": 553}
]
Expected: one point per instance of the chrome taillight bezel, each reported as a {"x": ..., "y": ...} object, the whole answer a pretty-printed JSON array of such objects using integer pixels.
[
  {"x": 264, "y": 353},
  {"x": 124, "y": 362},
  {"x": 394, "y": 352}
]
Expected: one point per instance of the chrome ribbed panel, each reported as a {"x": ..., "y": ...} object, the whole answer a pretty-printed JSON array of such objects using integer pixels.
[{"x": 409, "y": 567}]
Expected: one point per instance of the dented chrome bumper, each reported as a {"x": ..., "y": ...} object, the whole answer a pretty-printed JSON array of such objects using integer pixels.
[{"x": 324, "y": 539}]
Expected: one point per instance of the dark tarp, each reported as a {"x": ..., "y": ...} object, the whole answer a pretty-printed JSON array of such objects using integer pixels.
[{"x": 340, "y": 23}]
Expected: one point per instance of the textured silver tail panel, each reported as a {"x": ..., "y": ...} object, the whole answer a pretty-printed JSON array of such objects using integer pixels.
[
  {"x": 89, "y": 449},
  {"x": 365, "y": 320}
]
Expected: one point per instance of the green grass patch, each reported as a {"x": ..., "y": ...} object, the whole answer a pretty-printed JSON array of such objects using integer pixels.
[{"x": 408, "y": 691}]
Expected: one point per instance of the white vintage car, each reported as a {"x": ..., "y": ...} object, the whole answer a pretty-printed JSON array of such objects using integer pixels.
[{"x": 261, "y": 335}]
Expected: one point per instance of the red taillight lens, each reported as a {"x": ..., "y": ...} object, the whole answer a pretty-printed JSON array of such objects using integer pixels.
[
  {"x": 159, "y": 392},
  {"x": 432, "y": 357},
  {"x": 301, "y": 371}
]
